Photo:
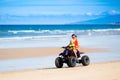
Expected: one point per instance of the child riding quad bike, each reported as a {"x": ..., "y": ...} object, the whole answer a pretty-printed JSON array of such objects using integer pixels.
[{"x": 68, "y": 57}]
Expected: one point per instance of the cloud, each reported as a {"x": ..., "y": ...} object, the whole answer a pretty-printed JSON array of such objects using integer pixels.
[
  {"x": 114, "y": 12},
  {"x": 110, "y": 12},
  {"x": 89, "y": 14},
  {"x": 105, "y": 13}
]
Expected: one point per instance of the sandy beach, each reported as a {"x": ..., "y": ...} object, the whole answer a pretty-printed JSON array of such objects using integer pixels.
[
  {"x": 95, "y": 71},
  {"x": 99, "y": 71},
  {"x": 25, "y": 63}
]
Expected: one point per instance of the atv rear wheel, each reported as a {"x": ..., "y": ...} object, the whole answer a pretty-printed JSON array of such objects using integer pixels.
[
  {"x": 58, "y": 62},
  {"x": 85, "y": 60},
  {"x": 71, "y": 61}
]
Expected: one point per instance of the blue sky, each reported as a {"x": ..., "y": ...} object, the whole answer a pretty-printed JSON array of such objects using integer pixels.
[{"x": 54, "y": 11}]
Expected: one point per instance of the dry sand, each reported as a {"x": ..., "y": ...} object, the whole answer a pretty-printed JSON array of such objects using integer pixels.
[
  {"x": 36, "y": 52},
  {"x": 98, "y": 71}
]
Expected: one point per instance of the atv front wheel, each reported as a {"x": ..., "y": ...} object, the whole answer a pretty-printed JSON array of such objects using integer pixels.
[{"x": 58, "y": 62}]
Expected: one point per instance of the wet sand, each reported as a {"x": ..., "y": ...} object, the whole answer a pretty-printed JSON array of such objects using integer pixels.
[
  {"x": 13, "y": 53},
  {"x": 98, "y": 71}
]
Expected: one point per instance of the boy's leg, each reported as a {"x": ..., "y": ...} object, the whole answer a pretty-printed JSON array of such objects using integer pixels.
[
  {"x": 75, "y": 52},
  {"x": 78, "y": 54}
]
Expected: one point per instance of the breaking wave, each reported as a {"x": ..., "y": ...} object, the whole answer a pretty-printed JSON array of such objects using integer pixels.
[{"x": 46, "y": 34}]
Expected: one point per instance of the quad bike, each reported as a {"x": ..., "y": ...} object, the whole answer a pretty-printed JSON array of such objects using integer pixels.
[{"x": 68, "y": 57}]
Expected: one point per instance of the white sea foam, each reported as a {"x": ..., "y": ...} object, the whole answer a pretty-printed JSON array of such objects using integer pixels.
[
  {"x": 33, "y": 38},
  {"x": 47, "y": 34},
  {"x": 59, "y": 31},
  {"x": 21, "y": 31},
  {"x": 41, "y": 31}
]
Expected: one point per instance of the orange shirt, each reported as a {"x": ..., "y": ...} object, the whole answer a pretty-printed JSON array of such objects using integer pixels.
[{"x": 75, "y": 42}]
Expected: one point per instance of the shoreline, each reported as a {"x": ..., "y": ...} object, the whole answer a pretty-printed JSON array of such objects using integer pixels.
[{"x": 15, "y": 53}]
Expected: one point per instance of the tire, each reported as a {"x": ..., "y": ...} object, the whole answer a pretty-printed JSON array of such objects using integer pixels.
[
  {"x": 85, "y": 60},
  {"x": 71, "y": 61},
  {"x": 58, "y": 62}
]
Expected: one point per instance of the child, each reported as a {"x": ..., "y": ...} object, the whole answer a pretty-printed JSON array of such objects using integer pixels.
[{"x": 71, "y": 46}]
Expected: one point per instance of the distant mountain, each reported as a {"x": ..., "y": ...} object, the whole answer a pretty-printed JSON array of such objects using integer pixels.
[{"x": 110, "y": 19}]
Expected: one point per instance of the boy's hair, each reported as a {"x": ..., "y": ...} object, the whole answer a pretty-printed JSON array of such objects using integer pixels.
[{"x": 74, "y": 35}]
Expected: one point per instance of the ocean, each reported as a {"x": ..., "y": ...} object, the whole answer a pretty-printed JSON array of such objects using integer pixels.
[
  {"x": 9, "y": 32},
  {"x": 50, "y": 35}
]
